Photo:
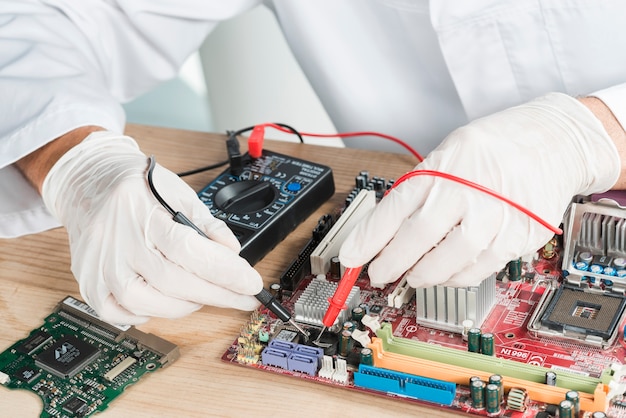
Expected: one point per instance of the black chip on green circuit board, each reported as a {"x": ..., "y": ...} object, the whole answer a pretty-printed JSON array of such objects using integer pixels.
[
  {"x": 34, "y": 342},
  {"x": 67, "y": 356},
  {"x": 75, "y": 406}
]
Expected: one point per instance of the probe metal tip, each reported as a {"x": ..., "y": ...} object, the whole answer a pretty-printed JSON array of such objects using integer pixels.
[
  {"x": 296, "y": 326},
  {"x": 317, "y": 340}
]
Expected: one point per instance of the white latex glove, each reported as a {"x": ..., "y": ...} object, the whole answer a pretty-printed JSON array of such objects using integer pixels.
[
  {"x": 131, "y": 260},
  {"x": 539, "y": 155}
]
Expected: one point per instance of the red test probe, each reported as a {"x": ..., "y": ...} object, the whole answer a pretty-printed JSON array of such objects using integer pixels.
[{"x": 337, "y": 303}]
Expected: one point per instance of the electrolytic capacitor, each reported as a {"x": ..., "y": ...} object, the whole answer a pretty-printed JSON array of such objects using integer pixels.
[
  {"x": 366, "y": 356},
  {"x": 360, "y": 182},
  {"x": 349, "y": 325},
  {"x": 345, "y": 342},
  {"x": 357, "y": 315},
  {"x": 574, "y": 397},
  {"x": 619, "y": 263},
  {"x": 492, "y": 400},
  {"x": 496, "y": 379},
  {"x": 335, "y": 267},
  {"x": 477, "y": 392},
  {"x": 598, "y": 414},
  {"x": 585, "y": 256},
  {"x": 514, "y": 268},
  {"x": 550, "y": 378},
  {"x": 473, "y": 340},
  {"x": 487, "y": 344},
  {"x": 566, "y": 409}
]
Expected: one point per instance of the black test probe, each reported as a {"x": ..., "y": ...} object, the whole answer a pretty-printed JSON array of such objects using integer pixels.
[{"x": 265, "y": 297}]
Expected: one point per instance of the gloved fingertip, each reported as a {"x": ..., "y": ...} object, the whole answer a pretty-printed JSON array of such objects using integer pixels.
[
  {"x": 379, "y": 275},
  {"x": 246, "y": 303}
]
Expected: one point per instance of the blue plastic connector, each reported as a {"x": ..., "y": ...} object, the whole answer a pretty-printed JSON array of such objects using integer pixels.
[
  {"x": 403, "y": 384},
  {"x": 293, "y": 357}
]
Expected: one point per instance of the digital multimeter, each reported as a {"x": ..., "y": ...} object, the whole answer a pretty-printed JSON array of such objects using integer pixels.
[{"x": 270, "y": 196}]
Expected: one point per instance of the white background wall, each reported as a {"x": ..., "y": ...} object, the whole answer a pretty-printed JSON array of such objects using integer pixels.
[{"x": 244, "y": 74}]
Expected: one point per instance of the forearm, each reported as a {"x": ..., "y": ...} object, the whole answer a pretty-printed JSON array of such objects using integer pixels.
[
  {"x": 36, "y": 165},
  {"x": 615, "y": 131}
]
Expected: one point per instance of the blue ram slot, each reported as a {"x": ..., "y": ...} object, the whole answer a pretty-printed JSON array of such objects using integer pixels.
[{"x": 404, "y": 384}]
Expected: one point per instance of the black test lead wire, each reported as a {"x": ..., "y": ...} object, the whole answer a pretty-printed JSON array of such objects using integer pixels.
[{"x": 265, "y": 297}]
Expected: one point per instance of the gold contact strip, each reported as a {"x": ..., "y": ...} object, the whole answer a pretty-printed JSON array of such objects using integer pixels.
[{"x": 538, "y": 392}]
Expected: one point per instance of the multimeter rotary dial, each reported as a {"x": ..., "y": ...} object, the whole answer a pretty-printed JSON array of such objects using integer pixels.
[{"x": 245, "y": 196}]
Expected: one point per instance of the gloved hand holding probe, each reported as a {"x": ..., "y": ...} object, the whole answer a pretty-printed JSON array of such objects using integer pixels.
[
  {"x": 539, "y": 155},
  {"x": 132, "y": 261}
]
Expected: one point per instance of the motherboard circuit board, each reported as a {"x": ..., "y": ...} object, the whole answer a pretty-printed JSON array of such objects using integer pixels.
[
  {"x": 498, "y": 349},
  {"x": 77, "y": 364}
]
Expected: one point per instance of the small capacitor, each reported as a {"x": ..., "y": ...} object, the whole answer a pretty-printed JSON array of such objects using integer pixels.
[
  {"x": 473, "y": 340},
  {"x": 514, "y": 269},
  {"x": 492, "y": 399},
  {"x": 335, "y": 267},
  {"x": 349, "y": 325},
  {"x": 496, "y": 379},
  {"x": 357, "y": 315},
  {"x": 366, "y": 356},
  {"x": 566, "y": 409},
  {"x": 360, "y": 182},
  {"x": 598, "y": 414},
  {"x": 609, "y": 271},
  {"x": 477, "y": 392},
  {"x": 487, "y": 344},
  {"x": 585, "y": 256},
  {"x": 581, "y": 265},
  {"x": 596, "y": 268},
  {"x": 619, "y": 263},
  {"x": 276, "y": 290},
  {"x": 621, "y": 273},
  {"x": 574, "y": 398},
  {"x": 550, "y": 378},
  {"x": 345, "y": 342}
]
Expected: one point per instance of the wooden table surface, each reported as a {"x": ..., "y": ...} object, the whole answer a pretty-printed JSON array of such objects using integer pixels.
[{"x": 35, "y": 275}]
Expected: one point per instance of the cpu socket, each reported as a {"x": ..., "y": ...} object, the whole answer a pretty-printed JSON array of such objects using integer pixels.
[{"x": 588, "y": 317}]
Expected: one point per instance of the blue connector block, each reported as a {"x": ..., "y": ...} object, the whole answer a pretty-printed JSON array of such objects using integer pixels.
[
  {"x": 283, "y": 345},
  {"x": 304, "y": 364},
  {"x": 272, "y": 357},
  {"x": 293, "y": 357},
  {"x": 309, "y": 351},
  {"x": 403, "y": 384}
]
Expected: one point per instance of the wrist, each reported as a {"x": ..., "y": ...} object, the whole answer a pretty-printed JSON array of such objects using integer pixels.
[
  {"x": 615, "y": 131},
  {"x": 36, "y": 165}
]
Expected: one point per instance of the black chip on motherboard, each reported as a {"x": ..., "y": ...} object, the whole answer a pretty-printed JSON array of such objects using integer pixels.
[
  {"x": 75, "y": 406},
  {"x": 67, "y": 356},
  {"x": 34, "y": 342}
]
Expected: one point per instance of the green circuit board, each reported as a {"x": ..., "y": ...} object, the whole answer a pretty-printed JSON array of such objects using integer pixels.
[{"x": 78, "y": 364}]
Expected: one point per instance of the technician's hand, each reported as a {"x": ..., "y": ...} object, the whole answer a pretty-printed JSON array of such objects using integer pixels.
[
  {"x": 539, "y": 155},
  {"x": 131, "y": 260}
]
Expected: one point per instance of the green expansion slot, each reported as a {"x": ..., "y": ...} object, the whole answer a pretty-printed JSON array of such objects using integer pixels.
[{"x": 78, "y": 364}]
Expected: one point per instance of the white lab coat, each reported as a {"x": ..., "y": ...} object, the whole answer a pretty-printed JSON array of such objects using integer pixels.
[{"x": 403, "y": 67}]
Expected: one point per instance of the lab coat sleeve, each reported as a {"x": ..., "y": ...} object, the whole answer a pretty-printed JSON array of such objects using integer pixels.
[
  {"x": 615, "y": 98},
  {"x": 67, "y": 63}
]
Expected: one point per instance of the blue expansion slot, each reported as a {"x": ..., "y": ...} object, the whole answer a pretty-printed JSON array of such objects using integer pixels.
[{"x": 403, "y": 384}]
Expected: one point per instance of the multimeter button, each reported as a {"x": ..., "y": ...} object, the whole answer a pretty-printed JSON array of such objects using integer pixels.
[{"x": 294, "y": 187}]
